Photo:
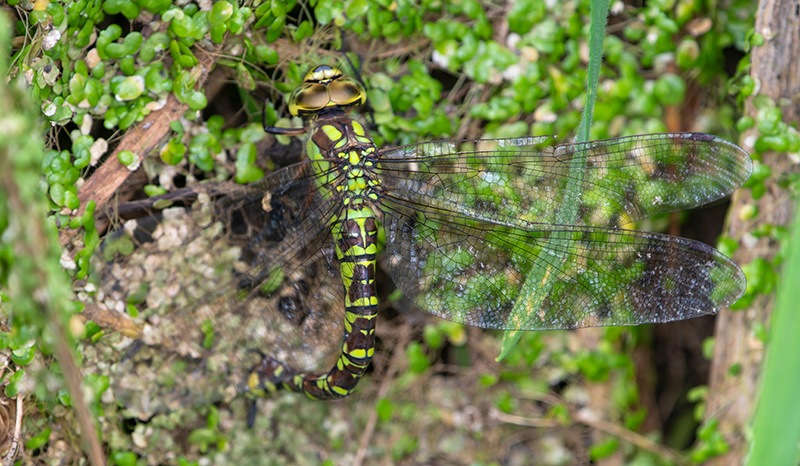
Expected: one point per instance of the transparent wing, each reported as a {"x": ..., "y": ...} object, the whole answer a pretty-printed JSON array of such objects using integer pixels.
[
  {"x": 200, "y": 288},
  {"x": 473, "y": 233},
  {"x": 480, "y": 273},
  {"x": 604, "y": 183}
]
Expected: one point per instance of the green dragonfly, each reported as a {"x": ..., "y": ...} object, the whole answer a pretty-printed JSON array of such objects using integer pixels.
[{"x": 467, "y": 230}]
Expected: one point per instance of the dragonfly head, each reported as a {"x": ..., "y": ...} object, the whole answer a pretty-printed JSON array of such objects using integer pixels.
[{"x": 325, "y": 87}]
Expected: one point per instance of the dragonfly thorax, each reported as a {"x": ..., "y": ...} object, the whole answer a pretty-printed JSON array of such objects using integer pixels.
[
  {"x": 346, "y": 158},
  {"x": 334, "y": 136}
]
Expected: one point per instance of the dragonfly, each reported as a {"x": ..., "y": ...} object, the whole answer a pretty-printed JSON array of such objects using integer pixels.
[{"x": 508, "y": 234}]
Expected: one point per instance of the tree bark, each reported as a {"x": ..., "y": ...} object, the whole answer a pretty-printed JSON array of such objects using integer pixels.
[{"x": 738, "y": 351}]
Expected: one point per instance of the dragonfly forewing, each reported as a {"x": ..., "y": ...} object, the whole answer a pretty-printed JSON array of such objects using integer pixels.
[{"x": 525, "y": 180}]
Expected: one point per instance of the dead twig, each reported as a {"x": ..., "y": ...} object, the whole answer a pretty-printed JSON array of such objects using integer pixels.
[
  {"x": 142, "y": 139},
  {"x": 11, "y": 455},
  {"x": 585, "y": 417},
  {"x": 369, "y": 429}
]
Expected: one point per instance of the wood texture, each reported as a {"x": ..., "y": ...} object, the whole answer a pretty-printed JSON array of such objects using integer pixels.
[
  {"x": 736, "y": 366},
  {"x": 142, "y": 139}
]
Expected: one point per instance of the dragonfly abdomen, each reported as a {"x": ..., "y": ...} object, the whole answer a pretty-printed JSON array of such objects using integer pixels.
[{"x": 356, "y": 248}]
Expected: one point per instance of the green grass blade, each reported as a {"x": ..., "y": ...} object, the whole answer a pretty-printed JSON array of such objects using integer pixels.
[
  {"x": 597, "y": 32},
  {"x": 568, "y": 211},
  {"x": 776, "y": 425}
]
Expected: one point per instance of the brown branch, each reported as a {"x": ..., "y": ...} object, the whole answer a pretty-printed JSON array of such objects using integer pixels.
[
  {"x": 74, "y": 381},
  {"x": 105, "y": 183},
  {"x": 143, "y": 139}
]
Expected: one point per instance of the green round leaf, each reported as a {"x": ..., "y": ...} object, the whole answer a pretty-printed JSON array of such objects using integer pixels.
[
  {"x": 130, "y": 88},
  {"x": 155, "y": 6},
  {"x": 769, "y": 119},
  {"x": 57, "y": 193},
  {"x": 123, "y": 458},
  {"x": 433, "y": 337},
  {"x": 12, "y": 386},
  {"x": 126, "y": 157},
  {"x": 417, "y": 359},
  {"x": 39, "y": 440},
  {"x": 687, "y": 54},
  {"x": 71, "y": 200},
  {"x": 220, "y": 12},
  {"x": 172, "y": 153},
  {"x": 246, "y": 170},
  {"x": 670, "y": 89},
  {"x": 197, "y": 101},
  {"x": 153, "y": 190},
  {"x": 23, "y": 356},
  {"x": 181, "y": 24}
]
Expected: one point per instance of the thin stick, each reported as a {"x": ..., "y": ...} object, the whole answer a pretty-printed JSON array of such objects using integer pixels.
[
  {"x": 369, "y": 429},
  {"x": 8, "y": 460},
  {"x": 586, "y": 418}
]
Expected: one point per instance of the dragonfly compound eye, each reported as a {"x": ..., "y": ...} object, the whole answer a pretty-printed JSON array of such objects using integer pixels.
[
  {"x": 323, "y": 87},
  {"x": 309, "y": 98},
  {"x": 346, "y": 92}
]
